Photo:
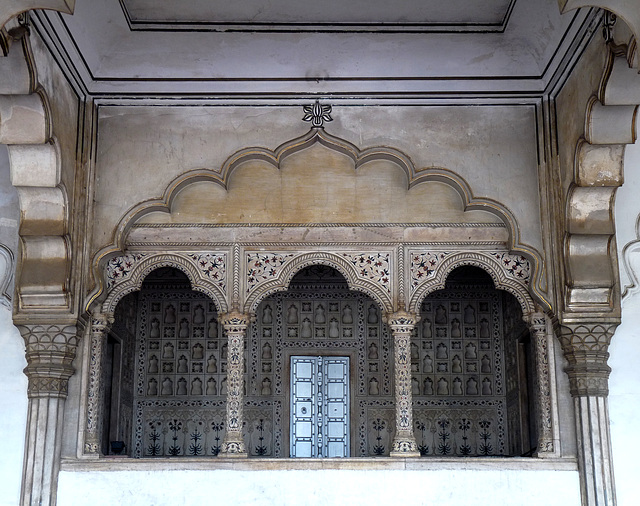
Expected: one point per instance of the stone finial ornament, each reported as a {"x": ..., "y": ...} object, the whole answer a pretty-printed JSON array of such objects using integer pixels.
[{"x": 317, "y": 114}]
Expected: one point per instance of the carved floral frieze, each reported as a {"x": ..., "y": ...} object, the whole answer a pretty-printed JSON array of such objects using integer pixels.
[
  {"x": 119, "y": 268},
  {"x": 372, "y": 266},
  {"x": 213, "y": 266},
  {"x": 264, "y": 266},
  {"x": 424, "y": 265}
]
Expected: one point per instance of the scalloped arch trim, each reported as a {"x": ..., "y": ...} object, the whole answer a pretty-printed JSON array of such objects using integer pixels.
[
  {"x": 485, "y": 262},
  {"x": 150, "y": 263},
  {"x": 281, "y": 281}
]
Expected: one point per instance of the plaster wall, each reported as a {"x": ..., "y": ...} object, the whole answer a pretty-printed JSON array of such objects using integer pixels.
[
  {"x": 142, "y": 149},
  {"x": 624, "y": 382},
  {"x": 319, "y": 487},
  {"x": 13, "y": 384},
  {"x": 13, "y": 408}
]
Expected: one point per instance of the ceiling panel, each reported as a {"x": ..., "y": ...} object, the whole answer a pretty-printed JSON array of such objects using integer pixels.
[{"x": 250, "y": 15}]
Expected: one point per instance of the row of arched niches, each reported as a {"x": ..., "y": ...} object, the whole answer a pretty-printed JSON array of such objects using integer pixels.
[{"x": 471, "y": 368}]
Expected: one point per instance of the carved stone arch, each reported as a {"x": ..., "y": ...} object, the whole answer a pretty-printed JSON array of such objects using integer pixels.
[
  {"x": 283, "y": 278},
  {"x": 485, "y": 262},
  {"x": 150, "y": 263}
]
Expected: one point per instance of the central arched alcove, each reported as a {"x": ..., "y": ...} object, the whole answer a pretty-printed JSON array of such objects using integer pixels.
[
  {"x": 472, "y": 371},
  {"x": 321, "y": 325}
]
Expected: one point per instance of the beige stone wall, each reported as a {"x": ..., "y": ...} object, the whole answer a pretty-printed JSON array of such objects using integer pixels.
[{"x": 142, "y": 149}]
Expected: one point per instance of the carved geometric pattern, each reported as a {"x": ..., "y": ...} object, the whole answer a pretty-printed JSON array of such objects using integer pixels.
[
  {"x": 585, "y": 346},
  {"x": 50, "y": 350},
  {"x": 372, "y": 266},
  {"x": 213, "y": 266},
  {"x": 264, "y": 266},
  {"x": 118, "y": 268}
]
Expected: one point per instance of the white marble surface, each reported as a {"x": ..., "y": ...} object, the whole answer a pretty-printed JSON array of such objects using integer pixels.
[
  {"x": 307, "y": 487},
  {"x": 13, "y": 409}
]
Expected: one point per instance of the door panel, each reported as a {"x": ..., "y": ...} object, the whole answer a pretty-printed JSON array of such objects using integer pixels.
[{"x": 319, "y": 406}]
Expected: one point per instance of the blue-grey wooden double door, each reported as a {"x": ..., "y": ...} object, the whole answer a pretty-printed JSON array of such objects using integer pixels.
[{"x": 319, "y": 406}]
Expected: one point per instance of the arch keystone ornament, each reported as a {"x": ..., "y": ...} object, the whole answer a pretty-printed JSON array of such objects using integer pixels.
[
  {"x": 235, "y": 325},
  {"x": 404, "y": 443}
]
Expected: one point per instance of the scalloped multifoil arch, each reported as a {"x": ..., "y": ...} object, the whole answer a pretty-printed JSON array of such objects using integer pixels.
[
  {"x": 485, "y": 262},
  {"x": 315, "y": 135},
  {"x": 281, "y": 282},
  {"x": 142, "y": 269}
]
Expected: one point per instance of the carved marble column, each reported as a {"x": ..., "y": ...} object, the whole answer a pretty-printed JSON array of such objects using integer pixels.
[
  {"x": 585, "y": 347},
  {"x": 404, "y": 443},
  {"x": 542, "y": 385},
  {"x": 50, "y": 350},
  {"x": 100, "y": 324},
  {"x": 235, "y": 325}
]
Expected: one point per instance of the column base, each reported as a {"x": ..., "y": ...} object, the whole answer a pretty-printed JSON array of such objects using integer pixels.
[
  {"x": 404, "y": 447},
  {"x": 233, "y": 449}
]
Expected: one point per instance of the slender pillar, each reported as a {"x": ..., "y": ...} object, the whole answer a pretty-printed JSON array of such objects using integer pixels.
[
  {"x": 585, "y": 347},
  {"x": 542, "y": 386},
  {"x": 235, "y": 325},
  {"x": 50, "y": 350},
  {"x": 100, "y": 324},
  {"x": 404, "y": 442}
]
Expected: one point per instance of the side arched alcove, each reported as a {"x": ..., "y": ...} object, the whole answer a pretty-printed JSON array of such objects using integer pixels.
[
  {"x": 164, "y": 353},
  {"x": 482, "y": 360}
]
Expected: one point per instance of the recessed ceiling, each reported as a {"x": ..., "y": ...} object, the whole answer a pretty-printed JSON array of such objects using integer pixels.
[
  {"x": 297, "y": 48},
  {"x": 454, "y": 15}
]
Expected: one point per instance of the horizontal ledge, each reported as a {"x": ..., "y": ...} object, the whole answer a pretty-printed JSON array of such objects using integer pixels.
[{"x": 109, "y": 464}]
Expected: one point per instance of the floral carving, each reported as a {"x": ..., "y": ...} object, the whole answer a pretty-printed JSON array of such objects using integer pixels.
[
  {"x": 423, "y": 266},
  {"x": 264, "y": 266},
  {"x": 514, "y": 266},
  {"x": 374, "y": 266},
  {"x": 213, "y": 266},
  {"x": 119, "y": 268}
]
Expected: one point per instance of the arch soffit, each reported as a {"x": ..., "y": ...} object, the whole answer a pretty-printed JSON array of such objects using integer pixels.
[
  {"x": 142, "y": 269},
  {"x": 282, "y": 280},
  {"x": 486, "y": 262}
]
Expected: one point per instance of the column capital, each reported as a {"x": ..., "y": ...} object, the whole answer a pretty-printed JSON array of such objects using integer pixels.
[
  {"x": 50, "y": 350},
  {"x": 585, "y": 345},
  {"x": 235, "y": 320},
  {"x": 402, "y": 321},
  {"x": 101, "y": 321}
]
